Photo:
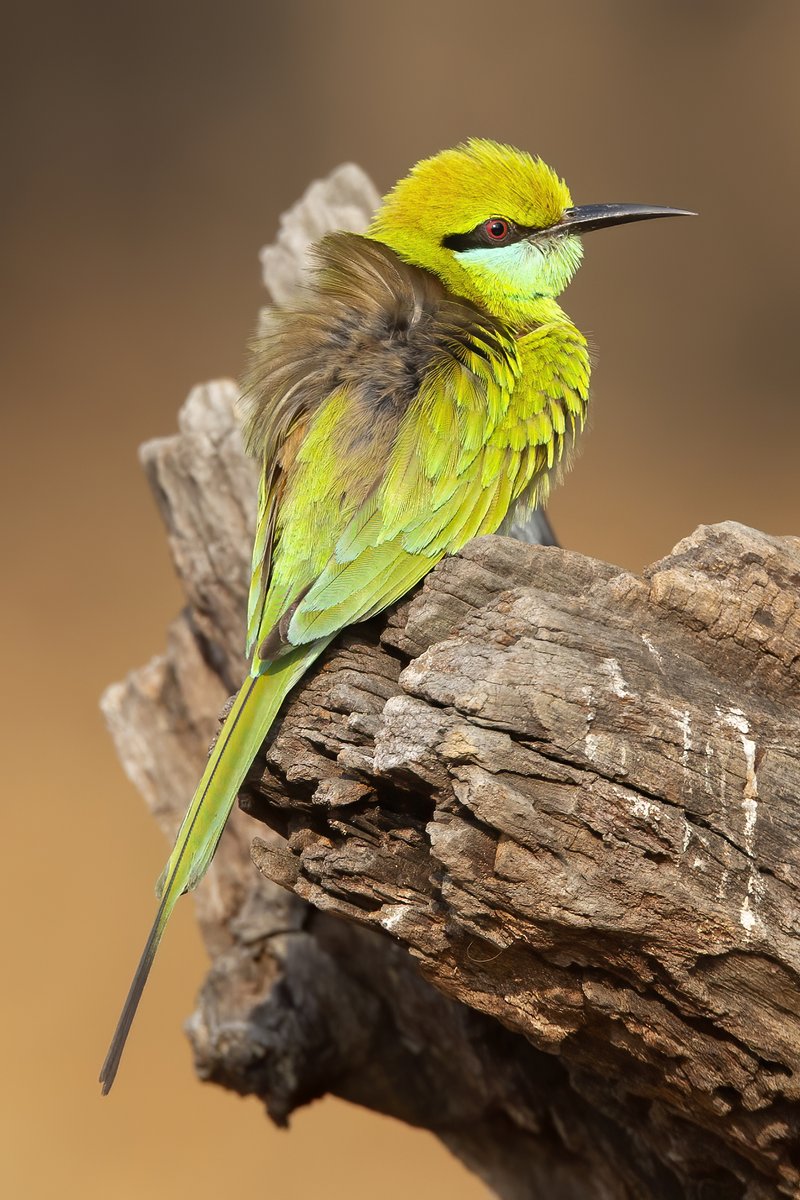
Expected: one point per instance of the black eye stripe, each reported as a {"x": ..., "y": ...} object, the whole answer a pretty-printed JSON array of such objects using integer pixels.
[{"x": 478, "y": 238}]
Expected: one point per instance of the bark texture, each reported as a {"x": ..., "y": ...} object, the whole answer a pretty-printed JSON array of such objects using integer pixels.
[{"x": 528, "y": 853}]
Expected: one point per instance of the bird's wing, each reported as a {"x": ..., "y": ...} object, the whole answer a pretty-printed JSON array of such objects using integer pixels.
[
  {"x": 484, "y": 433},
  {"x": 375, "y": 500},
  {"x": 369, "y": 404},
  {"x": 270, "y": 495},
  {"x": 396, "y": 424}
]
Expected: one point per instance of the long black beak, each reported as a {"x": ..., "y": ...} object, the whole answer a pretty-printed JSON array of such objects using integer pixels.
[{"x": 597, "y": 216}]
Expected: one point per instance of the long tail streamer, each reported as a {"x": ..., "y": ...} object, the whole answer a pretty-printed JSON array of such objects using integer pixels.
[{"x": 248, "y": 723}]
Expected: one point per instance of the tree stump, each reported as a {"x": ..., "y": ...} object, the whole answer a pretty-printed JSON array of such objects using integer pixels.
[{"x": 527, "y": 860}]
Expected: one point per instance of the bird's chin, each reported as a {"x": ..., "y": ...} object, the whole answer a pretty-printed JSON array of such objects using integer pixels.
[{"x": 554, "y": 260}]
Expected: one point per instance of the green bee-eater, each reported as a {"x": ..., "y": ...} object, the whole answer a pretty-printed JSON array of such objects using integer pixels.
[{"x": 421, "y": 392}]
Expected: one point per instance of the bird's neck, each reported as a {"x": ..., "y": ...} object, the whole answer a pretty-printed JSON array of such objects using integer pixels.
[
  {"x": 521, "y": 307},
  {"x": 522, "y": 313},
  {"x": 520, "y": 310}
]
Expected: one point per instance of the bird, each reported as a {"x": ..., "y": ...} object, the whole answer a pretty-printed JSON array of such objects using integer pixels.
[{"x": 424, "y": 389}]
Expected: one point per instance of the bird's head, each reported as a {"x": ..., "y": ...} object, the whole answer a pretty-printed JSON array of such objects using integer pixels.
[{"x": 496, "y": 225}]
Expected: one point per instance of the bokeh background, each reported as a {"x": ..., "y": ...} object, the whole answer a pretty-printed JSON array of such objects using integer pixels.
[{"x": 147, "y": 152}]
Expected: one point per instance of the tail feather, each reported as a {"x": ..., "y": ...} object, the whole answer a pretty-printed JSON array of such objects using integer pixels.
[{"x": 248, "y": 723}]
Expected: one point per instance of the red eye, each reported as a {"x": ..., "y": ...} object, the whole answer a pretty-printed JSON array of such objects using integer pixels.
[{"x": 496, "y": 229}]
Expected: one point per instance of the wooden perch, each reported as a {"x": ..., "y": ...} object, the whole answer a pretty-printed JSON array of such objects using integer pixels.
[{"x": 528, "y": 853}]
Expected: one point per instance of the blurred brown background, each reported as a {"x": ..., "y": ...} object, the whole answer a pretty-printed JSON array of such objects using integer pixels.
[{"x": 148, "y": 151}]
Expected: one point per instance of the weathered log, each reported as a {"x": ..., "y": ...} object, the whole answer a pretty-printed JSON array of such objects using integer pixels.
[{"x": 530, "y": 877}]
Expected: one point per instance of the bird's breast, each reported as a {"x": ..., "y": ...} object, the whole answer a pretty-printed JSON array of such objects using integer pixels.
[{"x": 547, "y": 407}]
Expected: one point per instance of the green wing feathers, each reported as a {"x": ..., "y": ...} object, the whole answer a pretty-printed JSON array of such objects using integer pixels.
[
  {"x": 424, "y": 422},
  {"x": 426, "y": 492}
]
